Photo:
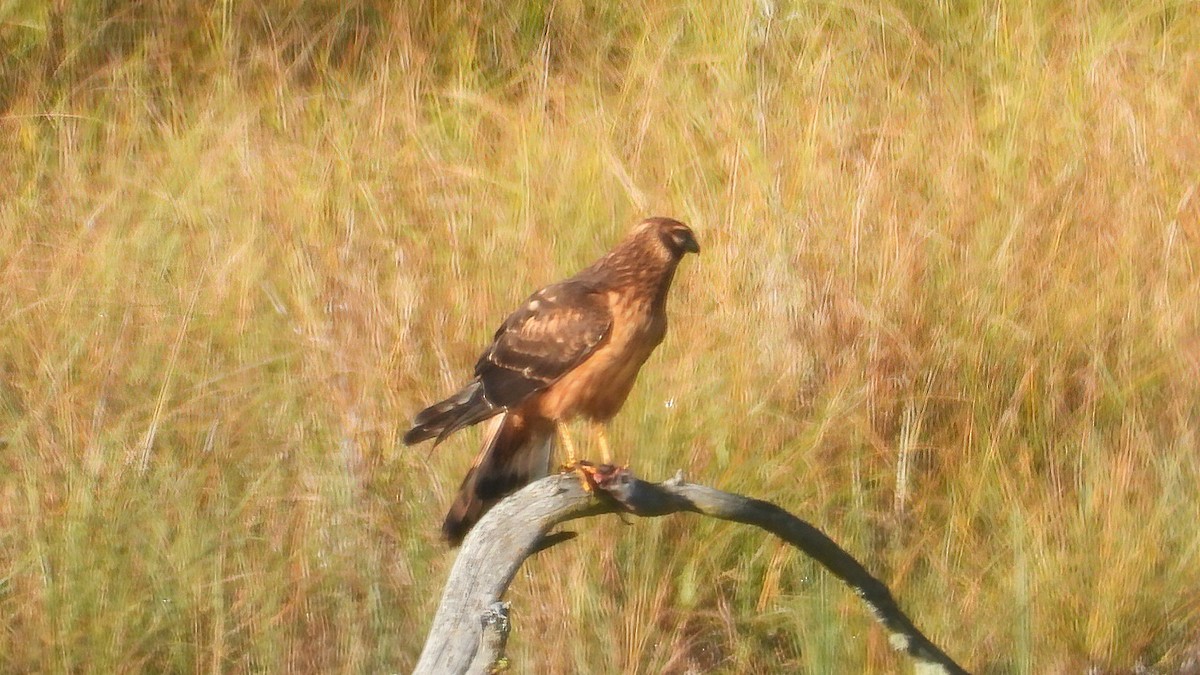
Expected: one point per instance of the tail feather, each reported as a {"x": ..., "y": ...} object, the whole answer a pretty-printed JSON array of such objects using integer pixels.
[
  {"x": 515, "y": 452},
  {"x": 464, "y": 408}
]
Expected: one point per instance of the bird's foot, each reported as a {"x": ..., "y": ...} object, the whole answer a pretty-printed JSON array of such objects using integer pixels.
[{"x": 593, "y": 477}]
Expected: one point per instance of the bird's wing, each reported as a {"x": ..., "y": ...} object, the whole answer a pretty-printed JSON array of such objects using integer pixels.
[{"x": 554, "y": 331}]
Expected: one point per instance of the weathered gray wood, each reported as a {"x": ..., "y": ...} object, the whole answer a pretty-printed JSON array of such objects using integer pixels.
[
  {"x": 494, "y": 625},
  {"x": 514, "y": 528},
  {"x": 489, "y": 558}
]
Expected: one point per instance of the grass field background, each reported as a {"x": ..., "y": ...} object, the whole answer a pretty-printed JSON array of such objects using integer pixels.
[{"x": 946, "y": 309}]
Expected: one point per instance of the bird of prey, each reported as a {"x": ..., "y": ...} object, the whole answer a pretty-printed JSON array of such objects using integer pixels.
[{"x": 572, "y": 350}]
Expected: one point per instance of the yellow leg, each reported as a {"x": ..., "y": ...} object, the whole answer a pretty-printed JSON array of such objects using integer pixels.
[
  {"x": 568, "y": 444},
  {"x": 584, "y": 469},
  {"x": 602, "y": 438}
]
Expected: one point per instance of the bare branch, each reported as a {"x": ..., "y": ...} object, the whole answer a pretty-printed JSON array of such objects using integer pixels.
[
  {"x": 494, "y": 626},
  {"x": 515, "y": 528}
]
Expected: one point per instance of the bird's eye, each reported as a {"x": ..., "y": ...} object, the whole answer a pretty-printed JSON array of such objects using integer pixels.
[{"x": 682, "y": 240}]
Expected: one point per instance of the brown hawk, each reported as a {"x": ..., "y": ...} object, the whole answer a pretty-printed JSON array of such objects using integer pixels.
[{"x": 572, "y": 350}]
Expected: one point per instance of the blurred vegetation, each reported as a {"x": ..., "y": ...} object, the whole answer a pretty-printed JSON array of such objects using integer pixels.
[{"x": 946, "y": 310}]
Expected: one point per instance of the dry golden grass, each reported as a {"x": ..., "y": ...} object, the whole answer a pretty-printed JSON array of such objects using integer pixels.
[{"x": 946, "y": 310}]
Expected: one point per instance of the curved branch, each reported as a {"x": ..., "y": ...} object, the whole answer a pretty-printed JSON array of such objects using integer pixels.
[{"x": 515, "y": 529}]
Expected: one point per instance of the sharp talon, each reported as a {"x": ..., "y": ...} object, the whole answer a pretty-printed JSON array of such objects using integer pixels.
[
  {"x": 572, "y": 466},
  {"x": 586, "y": 472},
  {"x": 593, "y": 477}
]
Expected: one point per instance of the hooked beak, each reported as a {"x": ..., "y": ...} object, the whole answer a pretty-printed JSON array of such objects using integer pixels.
[{"x": 689, "y": 244}]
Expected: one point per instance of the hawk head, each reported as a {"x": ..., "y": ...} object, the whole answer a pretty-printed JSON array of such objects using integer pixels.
[
  {"x": 676, "y": 237},
  {"x": 649, "y": 254}
]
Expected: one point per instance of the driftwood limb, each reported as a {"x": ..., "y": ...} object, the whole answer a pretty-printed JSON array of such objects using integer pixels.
[
  {"x": 494, "y": 626},
  {"x": 515, "y": 528}
]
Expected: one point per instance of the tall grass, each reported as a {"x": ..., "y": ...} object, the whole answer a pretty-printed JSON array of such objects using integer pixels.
[{"x": 946, "y": 310}]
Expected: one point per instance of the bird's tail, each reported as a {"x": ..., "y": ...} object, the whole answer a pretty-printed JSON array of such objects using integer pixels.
[
  {"x": 468, "y": 406},
  {"x": 515, "y": 452}
]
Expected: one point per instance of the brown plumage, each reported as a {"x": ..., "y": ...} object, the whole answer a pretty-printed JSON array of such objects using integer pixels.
[{"x": 572, "y": 350}]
